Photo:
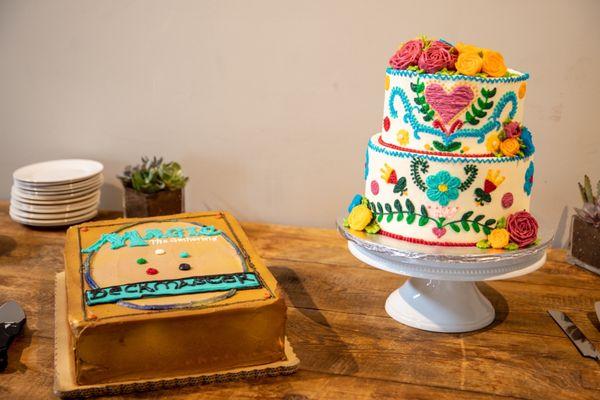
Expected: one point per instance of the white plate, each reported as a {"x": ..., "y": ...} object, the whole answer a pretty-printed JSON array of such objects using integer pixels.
[
  {"x": 53, "y": 216},
  {"x": 58, "y": 171},
  {"x": 46, "y": 202},
  {"x": 61, "y": 187},
  {"x": 58, "y": 208},
  {"x": 50, "y": 198},
  {"x": 56, "y": 222},
  {"x": 58, "y": 192}
]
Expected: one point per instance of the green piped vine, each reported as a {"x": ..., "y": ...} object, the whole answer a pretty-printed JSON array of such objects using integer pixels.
[
  {"x": 420, "y": 166},
  {"x": 408, "y": 213},
  {"x": 480, "y": 110},
  {"x": 419, "y": 88}
]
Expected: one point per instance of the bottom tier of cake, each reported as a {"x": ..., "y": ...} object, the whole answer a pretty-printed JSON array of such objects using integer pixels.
[{"x": 448, "y": 200}]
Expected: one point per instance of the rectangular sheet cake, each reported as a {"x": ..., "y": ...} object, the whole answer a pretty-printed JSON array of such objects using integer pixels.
[{"x": 168, "y": 296}]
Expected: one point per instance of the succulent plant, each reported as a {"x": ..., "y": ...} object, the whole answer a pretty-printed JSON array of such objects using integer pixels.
[
  {"x": 152, "y": 176},
  {"x": 590, "y": 212}
]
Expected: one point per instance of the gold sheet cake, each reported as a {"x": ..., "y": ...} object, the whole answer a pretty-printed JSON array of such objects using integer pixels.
[{"x": 168, "y": 296}]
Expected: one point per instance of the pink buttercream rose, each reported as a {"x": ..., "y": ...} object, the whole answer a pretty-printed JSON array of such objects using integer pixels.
[
  {"x": 523, "y": 228},
  {"x": 438, "y": 56},
  {"x": 407, "y": 55},
  {"x": 512, "y": 129}
]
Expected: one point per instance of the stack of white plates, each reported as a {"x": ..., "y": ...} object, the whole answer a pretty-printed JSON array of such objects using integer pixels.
[{"x": 56, "y": 193}]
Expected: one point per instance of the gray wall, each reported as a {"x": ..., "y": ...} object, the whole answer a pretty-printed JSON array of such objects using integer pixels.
[{"x": 269, "y": 104}]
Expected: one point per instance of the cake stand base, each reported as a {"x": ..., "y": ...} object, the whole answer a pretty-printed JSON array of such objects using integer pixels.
[
  {"x": 440, "y": 294},
  {"x": 440, "y": 306}
]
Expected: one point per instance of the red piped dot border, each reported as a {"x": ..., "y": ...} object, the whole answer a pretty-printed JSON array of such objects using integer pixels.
[{"x": 423, "y": 241}]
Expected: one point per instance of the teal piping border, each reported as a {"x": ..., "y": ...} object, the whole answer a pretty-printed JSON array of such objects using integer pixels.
[
  {"x": 442, "y": 77},
  {"x": 405, "y": 154}
]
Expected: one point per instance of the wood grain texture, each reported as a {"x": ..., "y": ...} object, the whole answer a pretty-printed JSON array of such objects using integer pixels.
[{"x": 349, "y": 348}]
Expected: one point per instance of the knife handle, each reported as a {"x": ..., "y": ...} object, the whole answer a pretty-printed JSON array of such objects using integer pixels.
[{"x": 3, "y": 358}]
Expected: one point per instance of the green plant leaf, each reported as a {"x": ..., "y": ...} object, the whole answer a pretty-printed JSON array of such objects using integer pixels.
[
  {"x": 424, "y": 211},
  {"x": 379, "y": 208},
  {"x": 400, "y": 216},
  {"x": 388, "y": 208},
  {"x": 486, "y": 229},
  {"x": 454, "y": 227},
  {"x": 389, "y": 217},
  {"x": 411, "y": 218},
  {"x": 454, "y": 146},
  {"x": 477, "y": 112},
  {"x": 420, "y": 100},
  {"x": 379, "y": 217},
  {"x": 475, "y": 227},
  {"x": 465, "y": 225},
  {"x": 400, "y": 186},
  {"x": 478, "y": 218},
  {"x": 423, "y": 220},
  {"x": 489, "y": 222},
  {"x": 397, "y": 205}
]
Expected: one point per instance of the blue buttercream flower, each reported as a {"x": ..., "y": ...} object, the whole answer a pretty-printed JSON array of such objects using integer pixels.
[
  {"x": 528, "y": 142},
  {"x": 355, "y": 201},
  {"x": 529, "y": 179},
  {"x": 442, "y": 187}
]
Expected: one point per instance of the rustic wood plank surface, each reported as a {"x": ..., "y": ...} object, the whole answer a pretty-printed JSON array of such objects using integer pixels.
[{"x": 349, "y": 348}]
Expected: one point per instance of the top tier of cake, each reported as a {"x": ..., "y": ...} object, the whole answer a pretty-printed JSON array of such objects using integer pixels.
[{"x": 454, "y": 114}]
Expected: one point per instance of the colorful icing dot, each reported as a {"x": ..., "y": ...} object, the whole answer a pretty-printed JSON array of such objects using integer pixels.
[
  {"x": 522, "y": 90},
  {"x": 159, "y": 252},
  {"x": 507, "y": 200},
  {"x": 184, "y": 254},
  {"x": 374, "y": 187},
  {"x": 386, "y": 124},
  {"x": 184, "y": 267},
  {"x": 141, "y": 261},
  {"x": 152, "y": 271},
  {"x": 387, "y": 82}
]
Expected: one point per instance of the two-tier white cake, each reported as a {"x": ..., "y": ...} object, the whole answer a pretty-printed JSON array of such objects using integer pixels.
[{"x": 453, "y": 163}]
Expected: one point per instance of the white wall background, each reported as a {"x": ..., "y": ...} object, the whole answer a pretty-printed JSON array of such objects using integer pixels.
[{"x": 269, "y": 104}]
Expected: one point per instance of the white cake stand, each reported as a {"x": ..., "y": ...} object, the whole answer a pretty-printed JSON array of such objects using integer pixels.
[{"x": 441, "y": 294}]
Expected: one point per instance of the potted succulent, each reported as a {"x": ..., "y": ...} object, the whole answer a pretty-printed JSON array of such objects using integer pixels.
[
  {"x": 585, "y": 229},
  {"x": 153, "y": 188}
]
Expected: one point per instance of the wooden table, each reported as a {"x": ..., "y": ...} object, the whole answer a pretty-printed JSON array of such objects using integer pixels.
[{"x": 349, "y": 348}]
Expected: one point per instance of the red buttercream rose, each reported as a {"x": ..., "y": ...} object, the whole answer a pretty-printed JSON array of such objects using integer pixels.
[
  {"x": 512, "y": 129},
  {"x": 407, "y": 55},
  {"x": 523, "y": 228},
  {"x": 438, "y": 56}
]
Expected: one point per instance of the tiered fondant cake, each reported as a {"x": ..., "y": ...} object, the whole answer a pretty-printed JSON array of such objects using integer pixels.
[
  {"x": 167, "y": 297},
  {"x": 453, "y": 164}
]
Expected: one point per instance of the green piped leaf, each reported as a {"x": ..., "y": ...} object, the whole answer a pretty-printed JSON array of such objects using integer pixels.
[
  {"x": 411, "y": 218},
  {"x": 410, "y": 206}
]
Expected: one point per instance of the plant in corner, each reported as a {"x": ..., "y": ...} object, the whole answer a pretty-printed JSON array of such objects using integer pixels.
[
  {"x": 153, "y": 188},
  {"x": 585, "y": 231}
]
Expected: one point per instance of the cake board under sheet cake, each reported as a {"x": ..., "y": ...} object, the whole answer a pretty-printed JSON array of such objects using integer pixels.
[
  {"x": 157, "y": 299},
  {"x": 64, "y": 374}
]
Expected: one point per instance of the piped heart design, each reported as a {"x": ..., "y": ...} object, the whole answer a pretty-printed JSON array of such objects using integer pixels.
[
  {"x": 448, "y": 105},
  {"x": 439, "y": 232}
]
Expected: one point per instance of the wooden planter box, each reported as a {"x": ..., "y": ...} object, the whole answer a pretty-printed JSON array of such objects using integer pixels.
[
  {"x": 165, "y": 202},
  {"x": 585, "y": 244}
]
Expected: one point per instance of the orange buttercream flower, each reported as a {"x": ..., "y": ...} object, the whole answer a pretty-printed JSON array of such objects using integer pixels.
[
  {"x": 467, "y": 48},
  {"x": 510, "y": 147},
  {"x": 469, "y": 63},
  {"x": 493, "y": 63},
  {"x": 498, "y": 238}
]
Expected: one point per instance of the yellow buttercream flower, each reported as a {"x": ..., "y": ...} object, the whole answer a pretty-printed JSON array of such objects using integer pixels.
[
  {"x": 493, "y": 63},
  {"x": 498, "y": 238},
  {"x": 402, "y": 137},
  {"x": 467, "y": 48},
  {"x": 493, "y": 143},
  {"x": 359, "y": 217},
  {"x": 510, "y": 147},
  {"x": 469, "y": 64},
  {"x": 522, "y": 90}
]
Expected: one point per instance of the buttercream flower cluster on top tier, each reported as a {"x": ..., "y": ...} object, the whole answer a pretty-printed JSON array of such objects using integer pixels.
[{"x": 433, "y": 56}]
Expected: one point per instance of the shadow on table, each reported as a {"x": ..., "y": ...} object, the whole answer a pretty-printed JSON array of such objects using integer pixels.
[
  {"x": 7, "y": 244},
  {"x": 593, "y": 318},
  {"x": 498, "y": 302},
  {"x": 303, "y": 302}
]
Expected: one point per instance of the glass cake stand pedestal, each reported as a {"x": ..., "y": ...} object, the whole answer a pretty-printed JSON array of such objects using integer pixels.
[{"x": 440, "y": 294}]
